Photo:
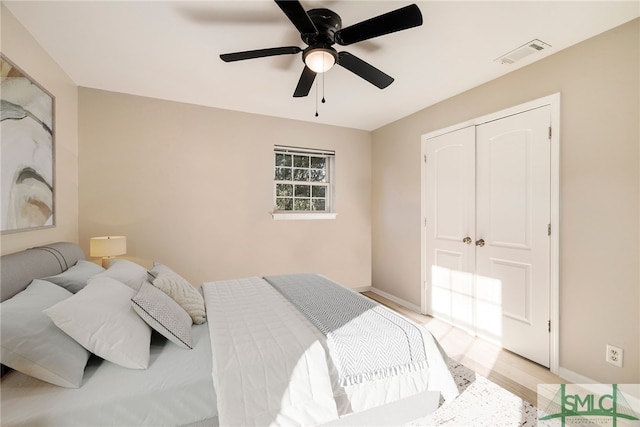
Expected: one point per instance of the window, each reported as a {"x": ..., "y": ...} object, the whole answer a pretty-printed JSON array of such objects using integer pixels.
[{"x": 303, "y": 183}]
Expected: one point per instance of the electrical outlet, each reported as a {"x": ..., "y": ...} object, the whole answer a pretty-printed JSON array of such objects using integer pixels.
[{"x": 614, "y": 355}]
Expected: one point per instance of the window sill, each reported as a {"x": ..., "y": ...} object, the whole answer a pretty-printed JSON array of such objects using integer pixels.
[{"x": 306, "y": 215}]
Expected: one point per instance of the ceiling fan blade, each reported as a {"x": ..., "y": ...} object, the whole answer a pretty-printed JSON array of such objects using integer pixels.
[
  {"x": 397, "y": 20},
  {"x": 364, "y": 70},
  {"x": 298, "y": 16},
  {"x": 304, "y": 84},
  {"x": 260, "y": 53}
]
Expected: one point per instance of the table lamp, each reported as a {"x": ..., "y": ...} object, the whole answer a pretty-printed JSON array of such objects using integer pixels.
[{"x": 107, "y": 247}]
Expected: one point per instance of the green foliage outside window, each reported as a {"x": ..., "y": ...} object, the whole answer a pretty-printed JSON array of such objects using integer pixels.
[{"x": 302, "y": 182}]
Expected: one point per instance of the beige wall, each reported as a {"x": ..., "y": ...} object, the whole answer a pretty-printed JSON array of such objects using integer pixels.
[
  {"x": 26, "y": 53},
  {"x": 599, "y": 82},
  {"x": 192, "y": 187}
]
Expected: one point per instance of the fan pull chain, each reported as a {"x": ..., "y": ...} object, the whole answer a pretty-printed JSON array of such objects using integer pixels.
[
  {"x": 316, "y": 98},
  {"x": 323, "y": 101}
]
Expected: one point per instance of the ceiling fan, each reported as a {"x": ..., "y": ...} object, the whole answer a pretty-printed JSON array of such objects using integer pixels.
[{"x": 320, "y": 29}]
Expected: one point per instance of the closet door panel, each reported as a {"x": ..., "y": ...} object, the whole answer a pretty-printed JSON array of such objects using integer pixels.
[
  {"x": 513, "y": 213},
  {"x": 450, "y": 218}
]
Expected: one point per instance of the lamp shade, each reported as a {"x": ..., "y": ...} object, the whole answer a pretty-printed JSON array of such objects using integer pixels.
[
  {"x": 320, "y": 60},
  {"x": 108, "y": 246}
]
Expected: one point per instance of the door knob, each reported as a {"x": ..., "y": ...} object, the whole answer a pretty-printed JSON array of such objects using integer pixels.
[
  {"x": 467, "y": 240},
  {"x": 480, "y": 243}
]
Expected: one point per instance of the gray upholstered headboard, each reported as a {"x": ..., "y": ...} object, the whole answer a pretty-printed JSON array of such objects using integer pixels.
[{"x": 17, "y": 270}]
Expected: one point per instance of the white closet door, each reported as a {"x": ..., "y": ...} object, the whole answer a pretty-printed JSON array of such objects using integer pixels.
[
  {"x": 450, "y": 208},
  {"x": 487, "y": 206},
  {"x": 512, "y": 242}
]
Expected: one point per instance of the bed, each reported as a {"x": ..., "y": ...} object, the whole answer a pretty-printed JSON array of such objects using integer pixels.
[{"x": 260, "y": 358}]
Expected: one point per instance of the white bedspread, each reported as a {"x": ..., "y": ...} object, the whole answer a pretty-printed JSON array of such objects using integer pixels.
[{"x": 269, "y": 367}]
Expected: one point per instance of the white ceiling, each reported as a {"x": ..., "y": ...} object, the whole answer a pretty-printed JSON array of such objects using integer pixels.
[{"x": 170, "y": 50}]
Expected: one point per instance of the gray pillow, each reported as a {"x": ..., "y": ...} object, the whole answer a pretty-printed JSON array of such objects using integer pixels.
[
  {"x": 33, "y": 345},
  {"x": 76, "y": 277},
  {"x": 163, "y": 314}
]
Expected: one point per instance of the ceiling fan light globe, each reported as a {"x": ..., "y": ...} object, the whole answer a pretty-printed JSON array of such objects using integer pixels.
[{"x": 320, "y": 60}]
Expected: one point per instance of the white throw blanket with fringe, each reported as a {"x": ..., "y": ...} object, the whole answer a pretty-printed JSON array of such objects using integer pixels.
[{"x": 367, "y": 342}]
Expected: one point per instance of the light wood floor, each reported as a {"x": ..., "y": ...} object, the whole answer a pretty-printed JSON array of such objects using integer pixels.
[{"x": 510, "y": 371}]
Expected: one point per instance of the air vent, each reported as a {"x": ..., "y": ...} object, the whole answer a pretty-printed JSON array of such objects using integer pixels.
[{"x": 523, "y": 51}]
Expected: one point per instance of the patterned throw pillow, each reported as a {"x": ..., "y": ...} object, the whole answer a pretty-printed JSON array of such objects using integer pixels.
[
  {"x": 163, "y": 314},
  {"x": 181, "y": 291}
]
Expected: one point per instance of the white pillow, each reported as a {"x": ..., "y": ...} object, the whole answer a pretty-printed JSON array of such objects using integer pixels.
[
  {"x": 182, "y": 292},
  {"x": 76, "y": 277},
  {"x": 33, "y": 345},
  {"x": 125, "y": 271},
  {"x": 101, "y": 319},
  {"x": 163, "y": 314}
]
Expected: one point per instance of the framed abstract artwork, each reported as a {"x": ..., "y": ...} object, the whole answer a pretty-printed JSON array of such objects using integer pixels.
[{"x": 27, "y": 151}]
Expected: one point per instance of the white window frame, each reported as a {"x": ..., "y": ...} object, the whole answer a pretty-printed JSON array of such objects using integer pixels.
[{"x": 329, "y": 212}]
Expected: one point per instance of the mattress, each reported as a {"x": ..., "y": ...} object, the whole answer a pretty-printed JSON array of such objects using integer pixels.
[{"x": 176, "y": 389}]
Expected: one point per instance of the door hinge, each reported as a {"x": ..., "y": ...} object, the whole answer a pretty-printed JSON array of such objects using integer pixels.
[
  {"x": 425, "y": 158},
  {"x": 550, "y": 132},
  {"x": 549, "y": 230},
  {"x": 549, "y": 325}
]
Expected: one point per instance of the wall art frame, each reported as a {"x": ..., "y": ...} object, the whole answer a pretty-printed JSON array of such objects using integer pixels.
[{"x": 27, "y": 152}]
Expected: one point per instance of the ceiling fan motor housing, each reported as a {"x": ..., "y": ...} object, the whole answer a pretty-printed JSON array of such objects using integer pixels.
[{"x": 327, "y": 23}]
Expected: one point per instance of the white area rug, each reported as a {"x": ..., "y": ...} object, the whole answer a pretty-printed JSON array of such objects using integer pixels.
[{"x": 480, "y": 403}]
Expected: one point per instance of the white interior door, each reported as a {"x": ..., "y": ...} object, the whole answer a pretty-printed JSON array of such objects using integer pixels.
[
  {"x": 513, "y": 216},
  {"x": 450, "y": 183},
  {"x": 487, "y": 208}
]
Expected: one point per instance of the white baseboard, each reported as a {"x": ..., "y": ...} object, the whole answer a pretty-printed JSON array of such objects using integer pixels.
[
  {"x": 399, "y": 301},
  {"x": 574, "y": 377},
  {"x": 362, "y": 289},
  {"x": 631, "y": 391}
]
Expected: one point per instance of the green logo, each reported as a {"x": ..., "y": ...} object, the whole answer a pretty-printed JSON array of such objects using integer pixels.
[{"x": 573, "y": 404}]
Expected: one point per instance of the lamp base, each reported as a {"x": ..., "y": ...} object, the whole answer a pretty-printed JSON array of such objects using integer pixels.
[{"x": 106, "y": 261}]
